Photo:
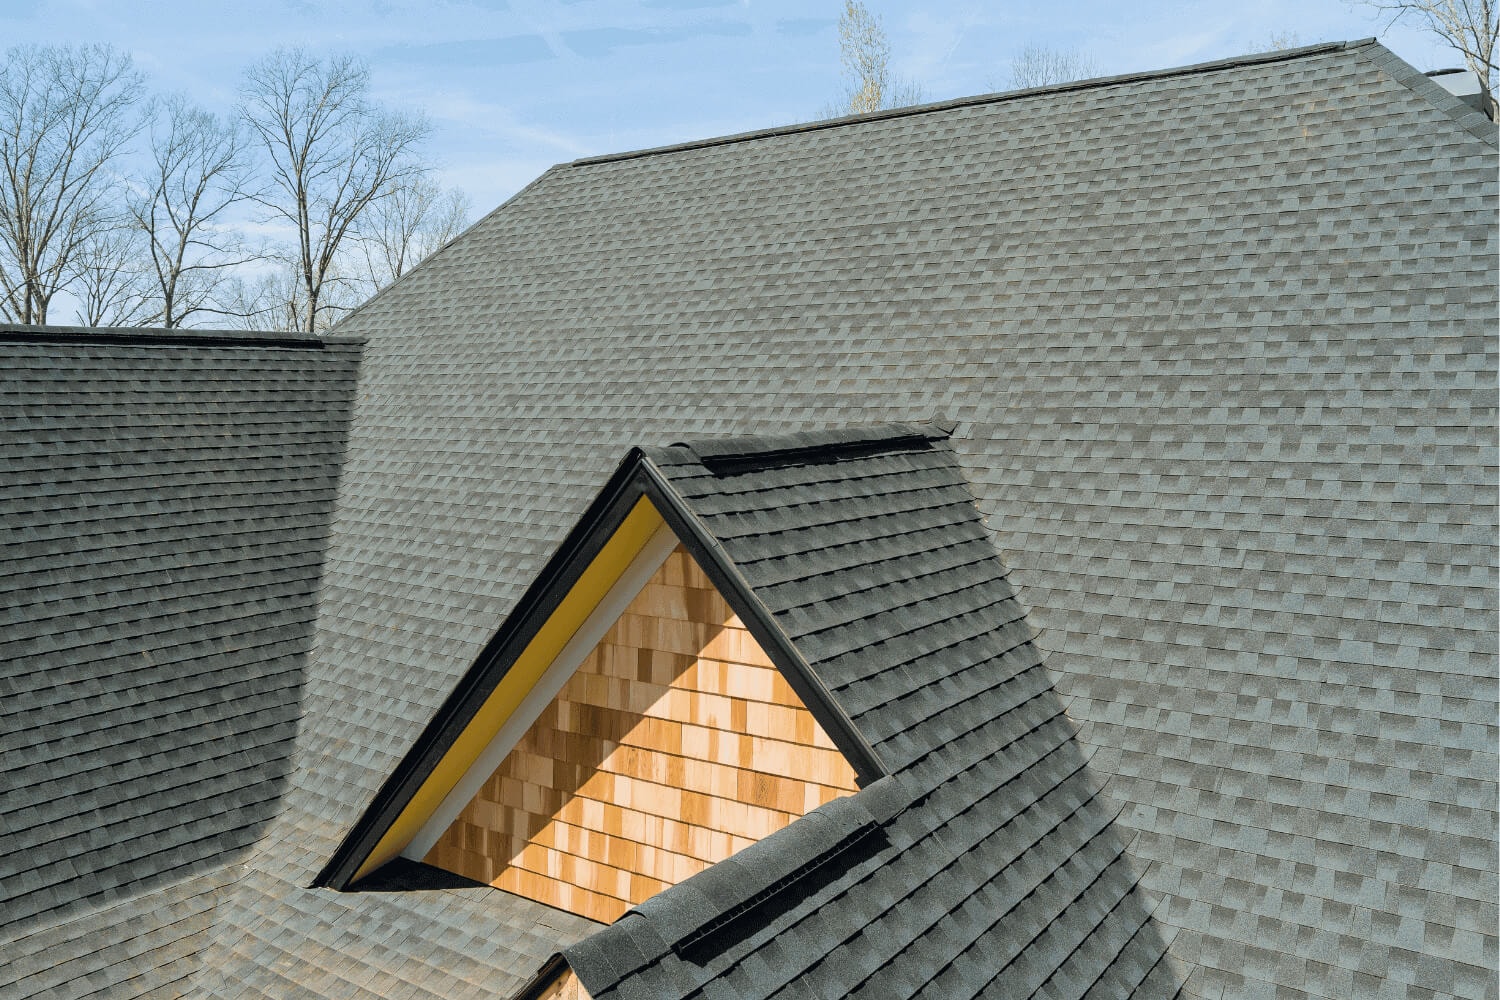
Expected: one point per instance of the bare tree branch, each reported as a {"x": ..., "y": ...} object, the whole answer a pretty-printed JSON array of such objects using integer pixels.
[
  {"x": 407, "y": 225},
  {"x": 1039, "y": 66},
  {"x": 65, "y": 113},
  {"x": 865, "y": 54},
  {"x": 110, "y": 279},
  {"x": 332, "y": 152},
  {"x": 198, "y": 173},
  {"x": 1470, "y": 26}
]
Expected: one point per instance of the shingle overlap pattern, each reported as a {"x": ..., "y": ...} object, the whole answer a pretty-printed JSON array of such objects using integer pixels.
[
  {"x": 988, "y": 864},
  {"x": 1219, "y": 346},
  {"x": 165, "y": 501}
]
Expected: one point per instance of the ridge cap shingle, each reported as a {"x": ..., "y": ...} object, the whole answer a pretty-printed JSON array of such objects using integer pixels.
[
  {"x": 1424, "y": 86},
  {"x": 758, "y": 450},
  {"x": 1212, "y": 66},
  {"x": 20, "y": 333}
]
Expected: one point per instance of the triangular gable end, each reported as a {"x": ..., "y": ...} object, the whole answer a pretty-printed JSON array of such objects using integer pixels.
[
  {"x": 673, "y": 745},
  {"x": 562, "y": 653}
]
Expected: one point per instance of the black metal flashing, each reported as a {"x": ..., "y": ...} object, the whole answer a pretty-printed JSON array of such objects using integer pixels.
[
  {"x": 732, "y": 456},
  {"x": 540, "y": 983},
  {"x": 577, "y": 550},
  {"x": 261, "y": 340}
]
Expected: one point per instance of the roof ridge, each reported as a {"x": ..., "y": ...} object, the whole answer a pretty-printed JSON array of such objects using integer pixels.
[
  {"x": 1235, "y": 62},
  {"x": 162, "y": 336},
  {"x": 728, "y": 454}
]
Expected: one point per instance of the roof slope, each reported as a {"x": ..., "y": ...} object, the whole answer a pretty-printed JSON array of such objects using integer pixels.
[
  {"x": 1220, "y": 348},
  {"x": 166, "y": 500},
  {"x": 988, "y": 856},
  {"x": 423, "y": 934}
]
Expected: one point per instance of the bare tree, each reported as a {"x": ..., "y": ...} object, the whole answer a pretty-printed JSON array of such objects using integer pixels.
[
  {"x": 407, "y": 225},
  {"x": 198, "y": 173},
  {"x": 1039, "y": 66},
  {"x": 865, "y": 54},
  {"x": 110, "y": 279},
  {"x": 270, "y": 294},
  {"x": 1280, "y": 41},
  {"x": 265, "y": 298},
  {"x": 332, "y": 152},
  {"x": 65, "y": 113},
  {"x": 1470, "y": 26}
]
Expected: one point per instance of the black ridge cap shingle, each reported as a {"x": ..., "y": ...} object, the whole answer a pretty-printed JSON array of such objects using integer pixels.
[
  {"x": 19, "y": 333},
  {"x": 1236, "y": 62}
]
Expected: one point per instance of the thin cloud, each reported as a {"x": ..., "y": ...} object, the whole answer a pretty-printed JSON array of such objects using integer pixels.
[
  {"x": 509, "y": 51},
  {"x": 600, "y": 43}
]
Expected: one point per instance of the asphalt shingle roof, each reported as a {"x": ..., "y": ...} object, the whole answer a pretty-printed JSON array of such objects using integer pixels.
[
  {"x": 986, "y": 863},
  {"x": 166, "y": 499},
  {"x": 1219, "y": 346}
]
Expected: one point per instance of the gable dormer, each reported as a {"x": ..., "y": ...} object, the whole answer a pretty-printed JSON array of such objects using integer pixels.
[{"x": 640, "y": 716}]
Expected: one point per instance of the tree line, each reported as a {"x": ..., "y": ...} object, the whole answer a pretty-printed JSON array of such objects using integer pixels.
[{"x": 149, "y": 210}]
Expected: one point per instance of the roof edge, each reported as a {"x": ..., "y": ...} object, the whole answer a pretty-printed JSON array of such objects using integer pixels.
[
  {"x": 380, "y": 293},
  {"x": 1468, "y": 118},
  {"x": 177, "y": 337},
  {"x": 1282, "y": 55}
]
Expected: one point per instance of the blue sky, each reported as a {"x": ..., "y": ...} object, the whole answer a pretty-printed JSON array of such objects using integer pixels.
[{"x": 515, "y": 87}]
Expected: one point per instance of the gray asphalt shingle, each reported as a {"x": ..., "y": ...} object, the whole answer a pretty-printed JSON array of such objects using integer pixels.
[
  {"x": 987, "y": 849},
  {"x": 1218, "y": 344},
  {"x": 1219, "y": 348},
  {"x": 166, "y": 498}
]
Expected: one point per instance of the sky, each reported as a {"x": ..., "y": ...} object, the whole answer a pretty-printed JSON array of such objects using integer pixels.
[{"x": 514, "y": 87}]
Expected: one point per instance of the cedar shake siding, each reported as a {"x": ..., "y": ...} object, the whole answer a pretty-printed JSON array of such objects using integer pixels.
[{"x": 676, "y": 744}]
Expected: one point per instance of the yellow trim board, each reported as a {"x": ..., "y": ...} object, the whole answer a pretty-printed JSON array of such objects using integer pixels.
[{"x": 617, "y": 554}]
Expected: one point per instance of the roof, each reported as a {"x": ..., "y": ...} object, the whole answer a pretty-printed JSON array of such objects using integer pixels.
[
  {"x": 166, "y": 499},
  {"x": 987, "y": 854},
  {"x": 979, "y": 849},
  {"x": 1218, "y": 347}
]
